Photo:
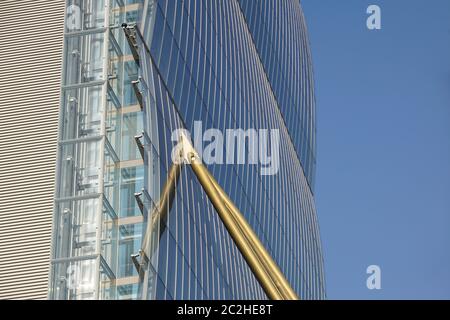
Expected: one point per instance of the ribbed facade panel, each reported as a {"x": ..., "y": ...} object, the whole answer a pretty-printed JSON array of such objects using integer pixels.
[
  {"x": 279, "y": 33},
  {"x": 207, "y": 65},
  {"x": 31, "y": 42}
]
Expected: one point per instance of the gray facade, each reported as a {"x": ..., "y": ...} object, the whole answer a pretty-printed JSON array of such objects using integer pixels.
[{"x": 30, "y": 73}]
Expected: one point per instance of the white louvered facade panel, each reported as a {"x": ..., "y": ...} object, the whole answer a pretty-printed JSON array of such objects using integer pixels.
[{"x": 31, "y": 43}]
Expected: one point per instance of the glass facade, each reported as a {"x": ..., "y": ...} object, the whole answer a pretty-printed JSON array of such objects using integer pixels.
[
  {"x": 96, "y": 217},
  {"x": 230, "y": 64}
]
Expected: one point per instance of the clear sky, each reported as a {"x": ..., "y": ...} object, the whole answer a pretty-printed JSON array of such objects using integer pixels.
[{"x": 383, "y": 172}]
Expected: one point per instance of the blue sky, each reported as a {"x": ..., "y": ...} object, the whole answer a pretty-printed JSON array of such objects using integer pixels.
[{"x": 383, "y": 172}]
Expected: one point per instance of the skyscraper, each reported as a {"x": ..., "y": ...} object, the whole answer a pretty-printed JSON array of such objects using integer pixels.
[{"x": 125, "y": 89}]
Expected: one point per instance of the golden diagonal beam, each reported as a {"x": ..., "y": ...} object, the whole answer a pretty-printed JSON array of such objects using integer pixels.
[
  {"x": 239, "y": 239},
  {"x": 259, "y": 260},
  {"x": 270, "y": 265}
]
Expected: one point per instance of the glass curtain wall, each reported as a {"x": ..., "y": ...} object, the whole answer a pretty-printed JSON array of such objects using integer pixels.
[{"x": 96, "y": 221}]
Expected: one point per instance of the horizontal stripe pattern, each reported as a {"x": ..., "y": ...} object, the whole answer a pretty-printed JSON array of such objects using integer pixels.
[{"x": 30, "y": 73}]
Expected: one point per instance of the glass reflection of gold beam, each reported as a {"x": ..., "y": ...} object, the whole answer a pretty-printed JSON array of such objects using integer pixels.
[{"x": 157, "y": 219}]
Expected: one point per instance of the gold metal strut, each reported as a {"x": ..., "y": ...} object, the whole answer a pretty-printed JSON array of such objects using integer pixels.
[{"x": 265, "y": 269}]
